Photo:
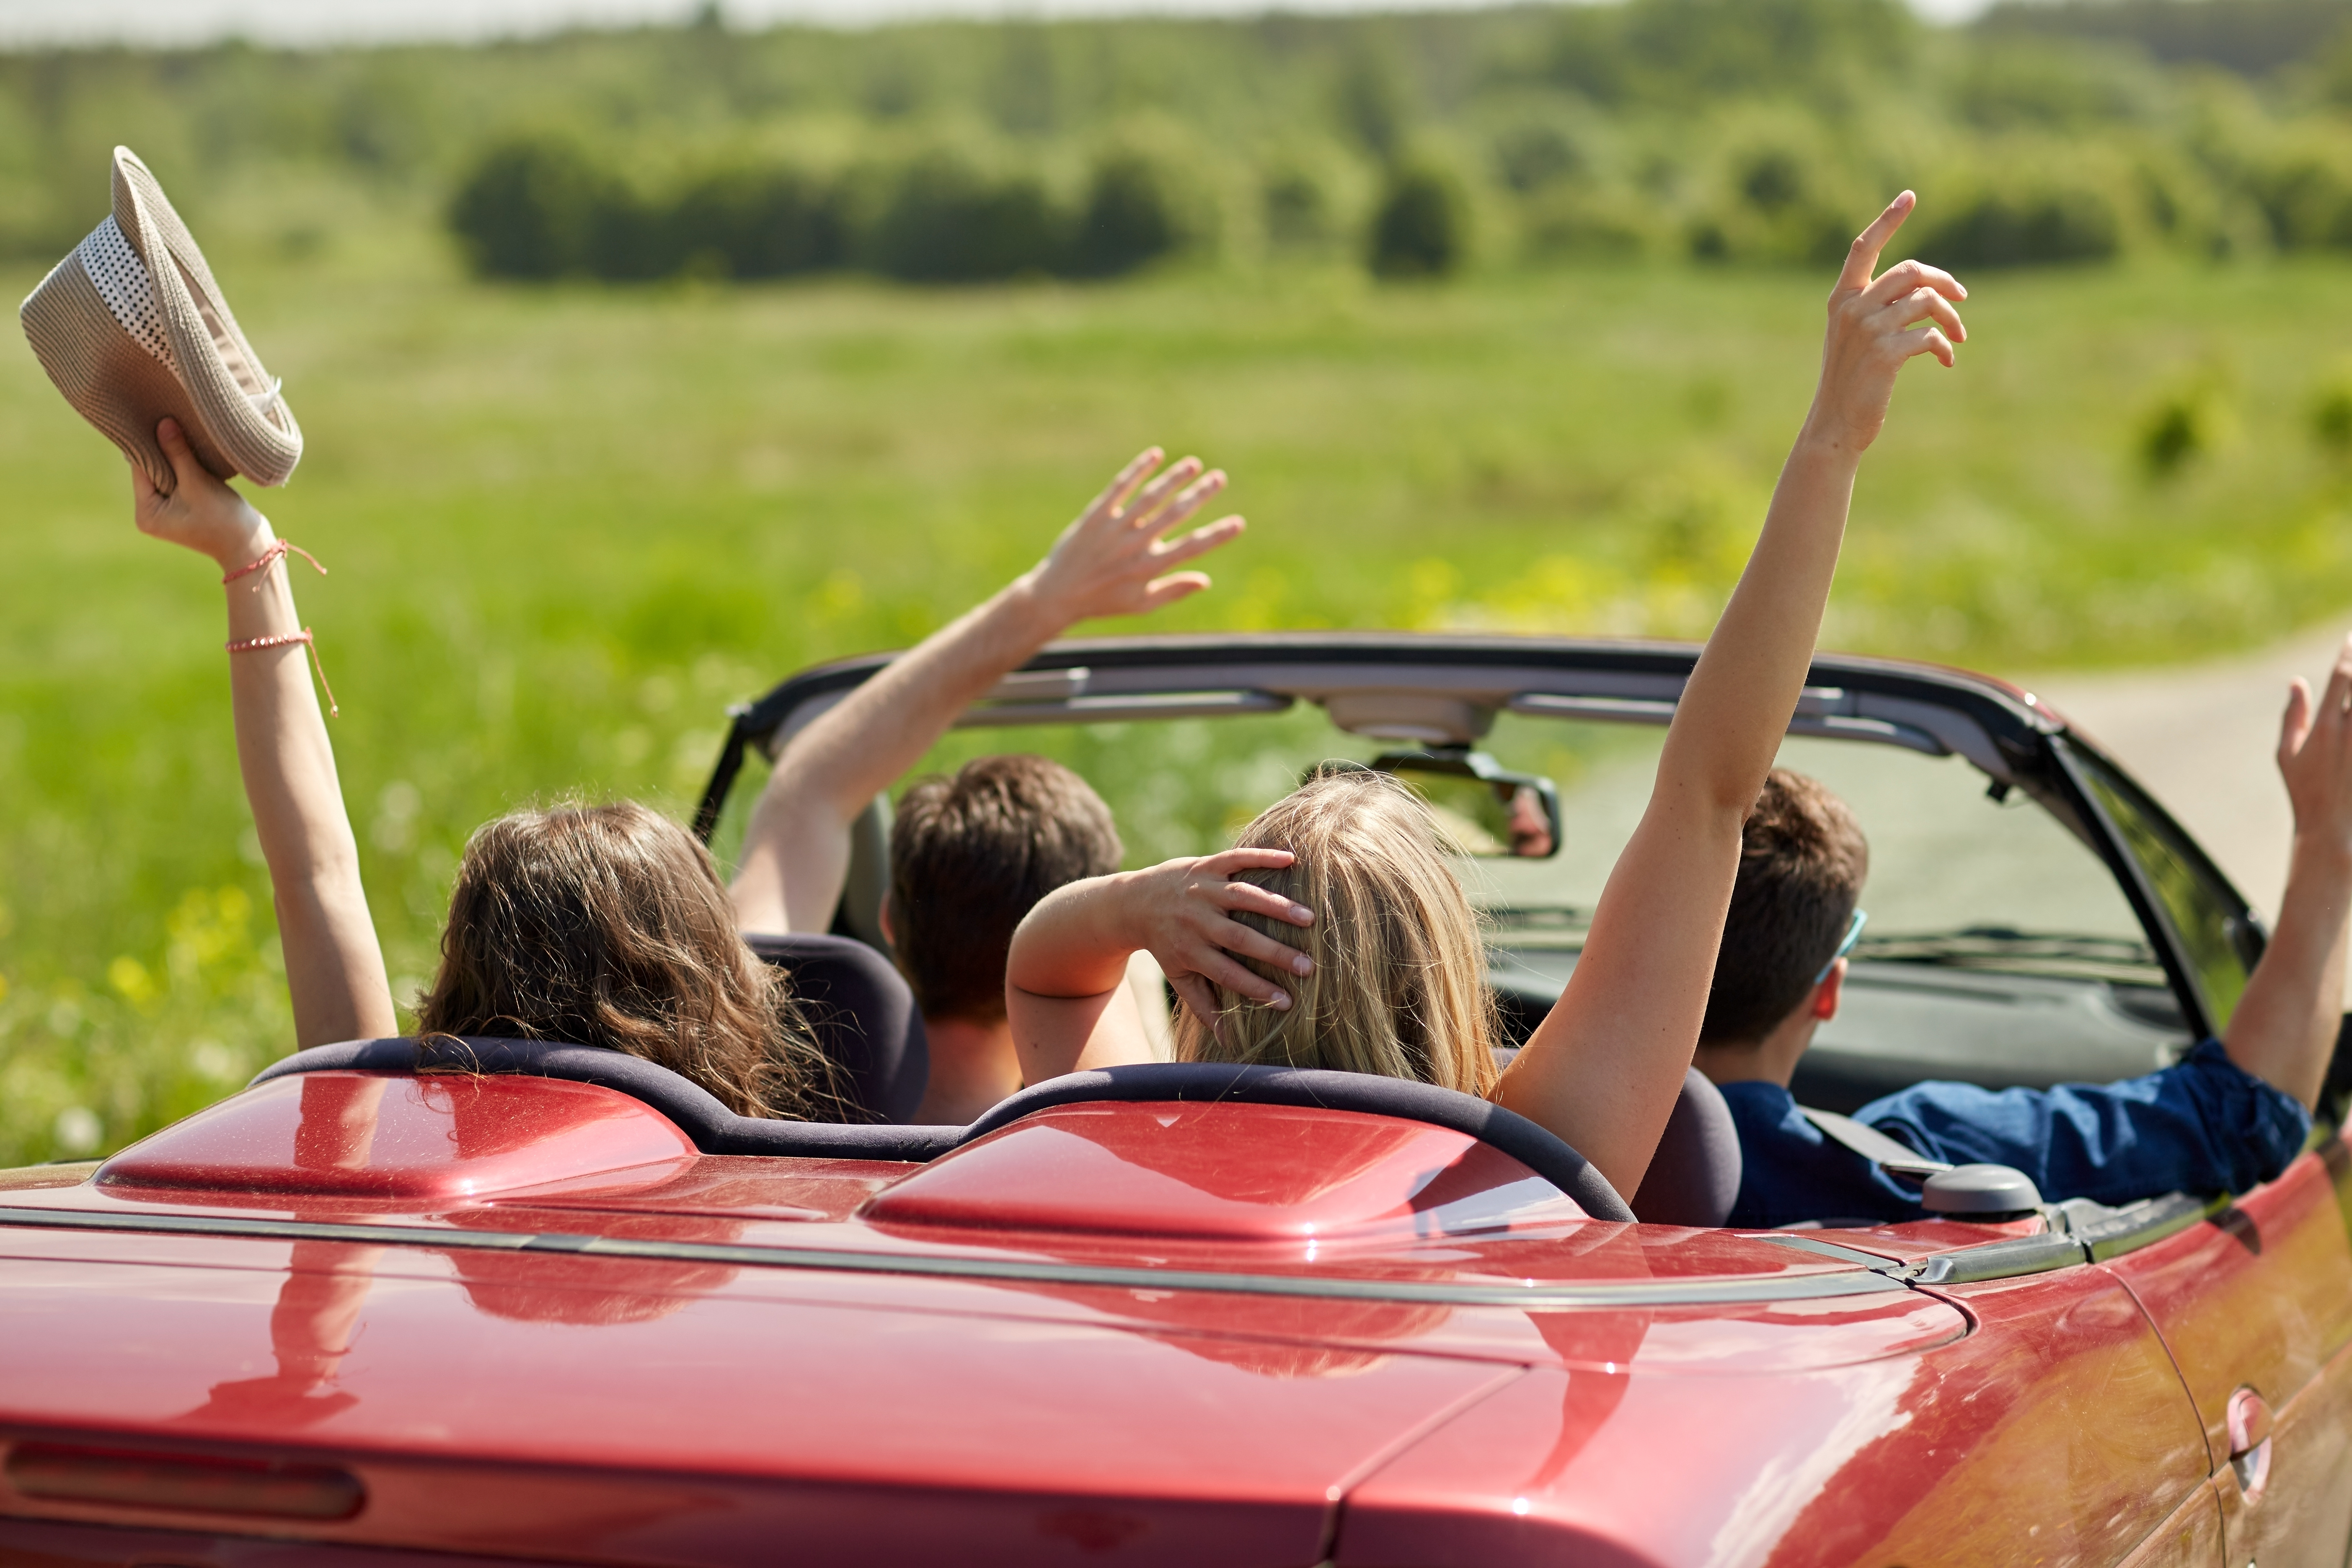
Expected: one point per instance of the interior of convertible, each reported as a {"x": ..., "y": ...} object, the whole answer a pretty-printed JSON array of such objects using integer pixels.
[
  {"x": 2033, "y": 917},
  {"x": 2000, "y": 949}
]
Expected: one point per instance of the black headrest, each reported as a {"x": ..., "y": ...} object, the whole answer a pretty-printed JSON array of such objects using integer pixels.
[
  {"x": 1693, "y": 1178},
  {"x": 1507, "y": 1130},
  {"x": 863, "y": 1015},
  {"x": 714, "y": 1129}
]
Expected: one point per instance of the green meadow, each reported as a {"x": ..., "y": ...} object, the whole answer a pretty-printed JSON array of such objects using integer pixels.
[{"x": 568, "y": 524}]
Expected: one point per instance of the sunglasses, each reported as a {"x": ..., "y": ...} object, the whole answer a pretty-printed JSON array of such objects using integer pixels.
[{"x": 1853, "y": 936}]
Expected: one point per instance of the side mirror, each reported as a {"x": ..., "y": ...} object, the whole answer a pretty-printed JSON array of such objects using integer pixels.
[{"x": 1485, "y": 808}]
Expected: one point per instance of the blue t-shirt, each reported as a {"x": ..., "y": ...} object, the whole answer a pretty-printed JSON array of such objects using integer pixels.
[{"x": 2202, "y": 1125}]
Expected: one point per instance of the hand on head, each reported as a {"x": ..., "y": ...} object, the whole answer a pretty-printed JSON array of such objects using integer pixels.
[
  {"x": 1183, "y": 913},
  {"x": 201, "y": 513},
  {"x": 2315, "y": 756},
  {"x": 1116, "y": 558},
  {"x": 1875, "y": 324}
]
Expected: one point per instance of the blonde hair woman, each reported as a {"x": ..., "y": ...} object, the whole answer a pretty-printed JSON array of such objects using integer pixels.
[{"x": 1340, "y": 894}]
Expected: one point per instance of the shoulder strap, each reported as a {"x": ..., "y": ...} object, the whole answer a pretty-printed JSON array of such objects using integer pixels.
[{"x": 1872, "y": 1145}]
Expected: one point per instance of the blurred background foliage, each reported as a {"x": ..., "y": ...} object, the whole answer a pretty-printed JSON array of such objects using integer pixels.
[
  {"x": 640, "y": 369},
  {"x": 1726, "y": 131}
]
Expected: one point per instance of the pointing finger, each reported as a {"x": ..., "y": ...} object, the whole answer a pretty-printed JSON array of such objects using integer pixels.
[{"x": 1861, "y": 256}]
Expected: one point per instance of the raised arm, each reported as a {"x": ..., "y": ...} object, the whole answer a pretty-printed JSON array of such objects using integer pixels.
[
  {"x": 2284, "y": 1028},
  {"x": 1603, "y": 1068},
  {"x": 1113, "y": 560},
  {"x": 334, "y": 967}
]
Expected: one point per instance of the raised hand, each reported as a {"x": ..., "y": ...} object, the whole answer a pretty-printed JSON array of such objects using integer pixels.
[
  {"x": 1182, "y": 910},
  {"x": 1117, "y": 560},
  {"x": 2315, "y": 757},
  {"x": 1875, "y": 324},
  {"x": 203, "y": 513}
]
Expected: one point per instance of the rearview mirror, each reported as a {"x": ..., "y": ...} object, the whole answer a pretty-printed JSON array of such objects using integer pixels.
[{"x": 1484, "y": 808}]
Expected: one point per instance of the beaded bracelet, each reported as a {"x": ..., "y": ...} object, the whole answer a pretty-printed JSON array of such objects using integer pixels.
[
  {"x": 262, "y": 563},
  {"x": 284, "y": 639}
]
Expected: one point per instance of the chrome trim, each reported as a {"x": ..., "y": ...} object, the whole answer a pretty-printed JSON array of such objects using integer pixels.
[{"x": 1527, "y": 1296}]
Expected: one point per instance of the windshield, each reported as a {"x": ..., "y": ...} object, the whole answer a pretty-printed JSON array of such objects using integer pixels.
[{"x": 1956, "y": 878}]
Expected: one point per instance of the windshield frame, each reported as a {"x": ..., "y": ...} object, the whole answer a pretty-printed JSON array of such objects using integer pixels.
[{"x": 2003, "y": 733}]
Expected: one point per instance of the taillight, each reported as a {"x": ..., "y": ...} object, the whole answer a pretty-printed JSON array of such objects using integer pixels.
[{"x": 192, "y": 1483}]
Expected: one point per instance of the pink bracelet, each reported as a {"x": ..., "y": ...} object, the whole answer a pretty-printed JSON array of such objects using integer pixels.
[
  {"x": 270, "y": 557},
  {"x": 283, "y": 639}
]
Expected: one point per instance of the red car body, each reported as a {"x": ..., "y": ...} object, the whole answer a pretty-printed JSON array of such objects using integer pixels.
[{"x": 366, "y": 1318}]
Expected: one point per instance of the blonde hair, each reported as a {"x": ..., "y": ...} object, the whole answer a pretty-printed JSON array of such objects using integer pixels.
[{"x": 1399, "y": 988}]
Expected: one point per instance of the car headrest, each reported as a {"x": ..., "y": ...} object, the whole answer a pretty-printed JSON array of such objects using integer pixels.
[
  {"x": 863, "y": 1015},
  {"x": 1507, "y": 1130},
  {"x": 697, "y": 1112},
  {"x": 1693, "y": 1178}
]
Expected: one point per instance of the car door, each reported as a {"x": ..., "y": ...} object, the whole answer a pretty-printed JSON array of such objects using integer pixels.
[{"x": 2254, "y": 1302}]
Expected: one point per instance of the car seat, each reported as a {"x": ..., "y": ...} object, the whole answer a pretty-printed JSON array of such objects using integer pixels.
[
  {"x": 1693, "y": 1178},
  {"x": 863, "y": 1016}
]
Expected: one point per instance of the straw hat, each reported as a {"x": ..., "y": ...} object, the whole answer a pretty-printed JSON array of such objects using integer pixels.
[{"x": 131, "y": 326}]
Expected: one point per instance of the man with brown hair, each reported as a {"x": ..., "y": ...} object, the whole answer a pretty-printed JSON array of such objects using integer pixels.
[
  {"x": 970, "y": 854},
  {"x": 2227, "y": 1116}
]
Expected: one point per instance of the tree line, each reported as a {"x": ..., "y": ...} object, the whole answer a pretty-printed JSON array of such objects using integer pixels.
[{"x": 1730, "y": 132}]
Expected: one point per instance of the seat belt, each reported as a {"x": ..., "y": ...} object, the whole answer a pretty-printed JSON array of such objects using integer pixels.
[{"x": 1895, "y": 1158}]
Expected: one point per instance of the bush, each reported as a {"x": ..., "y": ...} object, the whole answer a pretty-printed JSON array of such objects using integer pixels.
[
  {"x": 948, "y": 222},
  {"x": 1421, "y": 227},
  {"x": 2010, "y": 227},
  {"x": 1296, "y": 207},
  {"x": 2331, "y": 418},
  {"x": 762, "y": 222},
  {"x": 1131, "y": 216},
  {"x": 529, "y": 208},
  {"x": 2181, "y": 426}
]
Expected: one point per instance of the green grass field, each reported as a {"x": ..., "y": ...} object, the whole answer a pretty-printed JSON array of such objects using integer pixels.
[{"x": 567, "y": 526}]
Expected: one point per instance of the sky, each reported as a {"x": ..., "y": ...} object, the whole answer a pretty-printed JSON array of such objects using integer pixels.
[{"x": 313, "y": 22}]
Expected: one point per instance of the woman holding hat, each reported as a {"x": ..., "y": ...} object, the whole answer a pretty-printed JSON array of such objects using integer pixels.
[{"x": 602, "y": 925}]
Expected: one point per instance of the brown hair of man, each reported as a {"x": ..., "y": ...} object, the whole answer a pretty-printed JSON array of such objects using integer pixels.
[
  {"x": 608, "y": 925},
  {"x": 1803, "y": 859},
  {"x": 970, "y": 856}
]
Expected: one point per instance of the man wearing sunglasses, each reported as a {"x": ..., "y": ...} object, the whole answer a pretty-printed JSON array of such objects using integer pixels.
[{"x": 2226, "y": 1116}]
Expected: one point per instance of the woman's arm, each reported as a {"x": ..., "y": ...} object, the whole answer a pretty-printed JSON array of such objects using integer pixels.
[
  {"x": 1113, "y": 560},
  {"x": 1069, "y": 962},
  {"x": 2284, "y": 1028},
  {"x": 1603, "y": 1068},
  {"x": 334, "y": 967}
]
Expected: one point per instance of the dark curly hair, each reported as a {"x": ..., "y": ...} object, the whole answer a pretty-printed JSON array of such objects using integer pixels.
[{"x": 608, "y": 925}]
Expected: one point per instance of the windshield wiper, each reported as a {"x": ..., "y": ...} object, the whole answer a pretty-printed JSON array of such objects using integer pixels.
[{"x": 2126, "y": 960}]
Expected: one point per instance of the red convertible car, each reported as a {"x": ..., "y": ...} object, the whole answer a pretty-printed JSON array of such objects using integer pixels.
[{"x": 504, "y": 1302}]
